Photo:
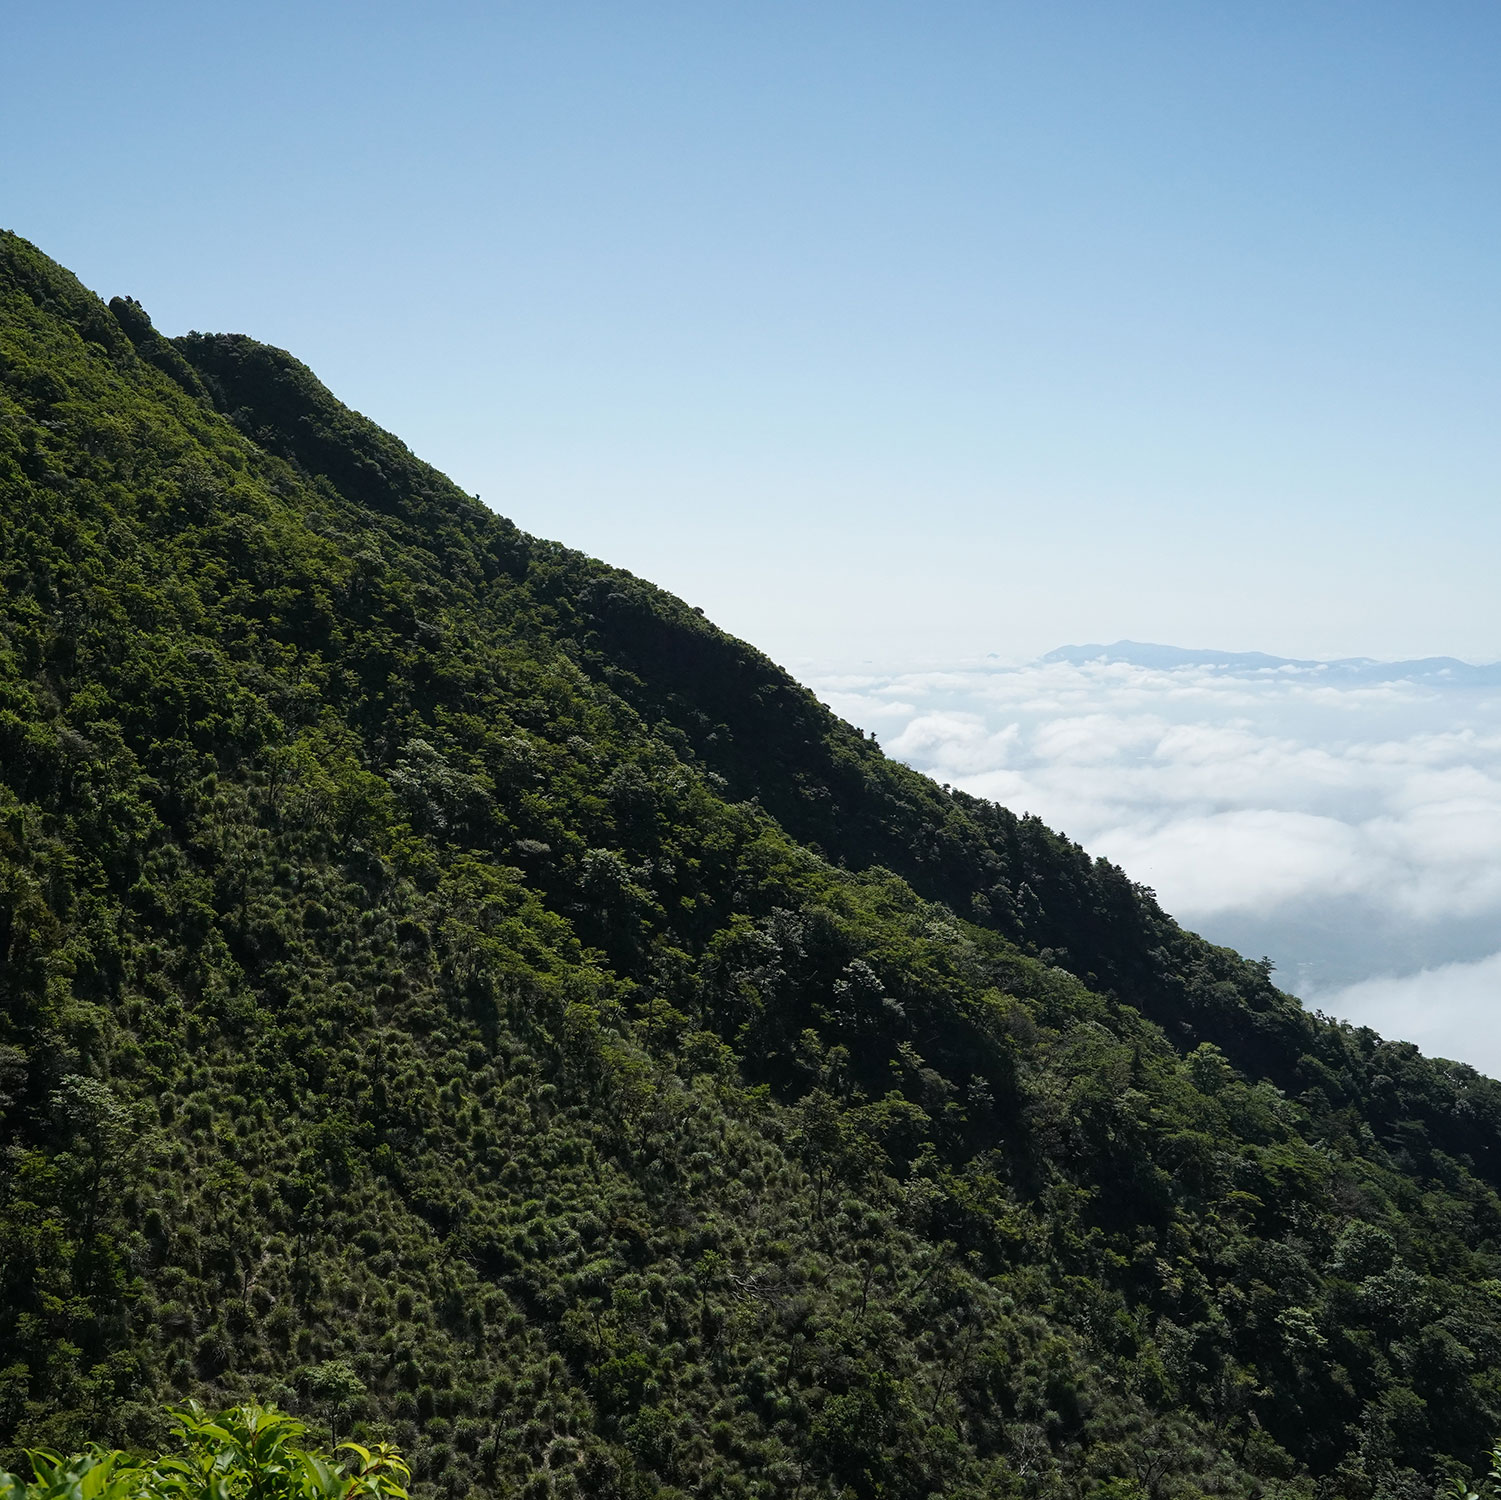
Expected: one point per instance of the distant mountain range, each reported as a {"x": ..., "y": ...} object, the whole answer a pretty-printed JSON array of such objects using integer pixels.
[{"x": 1447, "y": 670}]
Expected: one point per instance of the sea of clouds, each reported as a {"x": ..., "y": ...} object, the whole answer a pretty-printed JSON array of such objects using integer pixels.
[{"x": 1343, "y": 819}]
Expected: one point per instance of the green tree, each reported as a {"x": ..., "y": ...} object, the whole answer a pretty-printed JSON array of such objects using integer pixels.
[{"x": 336, "y": 1383}]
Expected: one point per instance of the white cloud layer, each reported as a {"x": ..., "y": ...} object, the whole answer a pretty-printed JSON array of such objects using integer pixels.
[
  {"x": 1346, "y": 822},
  {"x": 1449, "y": 1010}
]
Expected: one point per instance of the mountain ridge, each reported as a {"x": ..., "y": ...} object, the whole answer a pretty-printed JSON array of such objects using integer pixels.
[{"x": 434, "y": 953}]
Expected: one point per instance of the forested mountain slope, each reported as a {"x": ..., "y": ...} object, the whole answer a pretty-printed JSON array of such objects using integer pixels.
[{"x": 442, "y": 969}]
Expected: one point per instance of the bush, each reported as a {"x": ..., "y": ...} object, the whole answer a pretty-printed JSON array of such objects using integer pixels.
[{"x": 245, "y": 1453}]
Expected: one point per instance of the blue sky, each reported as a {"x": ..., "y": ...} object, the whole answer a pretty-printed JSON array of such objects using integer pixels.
[{"x": 880, "y": 331}]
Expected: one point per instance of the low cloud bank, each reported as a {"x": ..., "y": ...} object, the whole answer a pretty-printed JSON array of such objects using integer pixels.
[
  {"x": 1449, "y": 1011},
  {"x": 1344, "y": 819}
]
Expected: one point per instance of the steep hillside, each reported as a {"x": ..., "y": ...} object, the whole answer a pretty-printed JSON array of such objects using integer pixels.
[{"x": 448, "y": 983}]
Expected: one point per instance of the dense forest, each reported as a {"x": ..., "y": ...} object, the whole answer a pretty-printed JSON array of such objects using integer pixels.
[{"x": 451, "y": 990}]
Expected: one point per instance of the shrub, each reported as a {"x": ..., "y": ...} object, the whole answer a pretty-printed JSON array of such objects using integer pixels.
[{"x": 245, "y": 1453}]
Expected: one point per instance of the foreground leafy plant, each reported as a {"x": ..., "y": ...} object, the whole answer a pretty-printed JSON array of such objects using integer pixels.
[
  {"x": 1484, "y": 1487},
  {"x": 245, "y": 1453}
]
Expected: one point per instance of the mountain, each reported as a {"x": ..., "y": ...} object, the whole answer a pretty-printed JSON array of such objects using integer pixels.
[
  {"x": 451, "y": 988},
  {"x": 1447, "y": 671}
]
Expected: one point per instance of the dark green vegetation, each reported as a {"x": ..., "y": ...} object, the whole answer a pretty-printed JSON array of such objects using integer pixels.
[
  {"x": 246, "y": 1453},
  {"x": 451, "y": 989}
]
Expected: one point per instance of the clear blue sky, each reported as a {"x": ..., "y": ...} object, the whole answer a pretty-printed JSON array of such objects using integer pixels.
[{"x": 874, "y": 329}]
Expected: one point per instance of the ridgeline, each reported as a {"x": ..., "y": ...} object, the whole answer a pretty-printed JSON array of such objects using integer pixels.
[{"x": 452, "y": 990}]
